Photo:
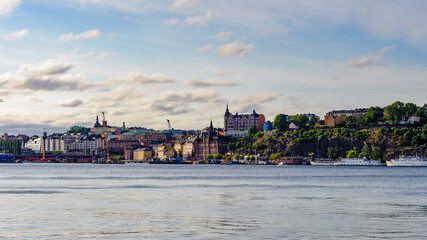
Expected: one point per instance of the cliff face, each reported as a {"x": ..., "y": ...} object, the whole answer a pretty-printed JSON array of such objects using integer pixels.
[{"x": 391, "y": 142}]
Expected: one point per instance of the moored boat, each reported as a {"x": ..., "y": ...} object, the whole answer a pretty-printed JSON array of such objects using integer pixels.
[
  {"x": 322, "y": 162},
  {"x": 407, "y": 162},
  {"x": 358, "y": 162}
]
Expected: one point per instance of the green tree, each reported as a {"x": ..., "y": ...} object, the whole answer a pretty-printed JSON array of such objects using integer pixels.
[
  {"x": 373, "y": 115},
  {"x": 252, "y": 131},
  {"x": 421, "y": 112},
  {"x": 281, "y": 123},
  {"x": 395, "y": 111},
  {"x": 335, "y": 152},
  {"x": 409, "y": 109},
  {"x": 351, "y": 121},
  {"x": 377, "y": 154},
  {"x": 300, "y": 120},
  {"x": 352, "y": 153},
  {"x": 209, "y": 156}
]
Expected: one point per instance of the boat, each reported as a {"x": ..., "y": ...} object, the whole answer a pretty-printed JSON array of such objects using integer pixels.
[
  {"x": 407, "y": 162},
  {"x": 296, "y": 160},
  {"x": 358, "y": 162},
  {"x": 6, "y": 158},
  {"x": 323, "y": 162}
]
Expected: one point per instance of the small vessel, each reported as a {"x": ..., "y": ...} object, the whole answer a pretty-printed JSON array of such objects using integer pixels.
[
  {"x": 6, "y": 158},
  {"x": 358, "y": 162},
  {"x": 407, "y": 162},
  {"x": 323, "y": 162}
]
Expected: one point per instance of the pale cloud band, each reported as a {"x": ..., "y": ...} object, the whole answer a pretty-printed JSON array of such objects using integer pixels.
[
  {"x": 95, "y": 33},
  {"x": 368, "y": 61},
  {"x": 8, "y": 6},
  {"x": 16, "y": 35},
  {"x": 235, "y": 49}
]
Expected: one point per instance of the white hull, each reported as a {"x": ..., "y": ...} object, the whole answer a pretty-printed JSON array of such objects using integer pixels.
[
  {"x": 318, "y": 163},
  {"x": 407, "y": 162},
  {"x": 358, "y": 162}
]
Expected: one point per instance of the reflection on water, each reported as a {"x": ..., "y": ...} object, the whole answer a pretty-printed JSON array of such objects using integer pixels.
[{"x": 72, "y": 201}]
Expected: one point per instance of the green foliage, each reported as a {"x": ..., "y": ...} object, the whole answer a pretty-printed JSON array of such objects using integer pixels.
[
  {"x": 11, "y": 146},
  {"x": 209, "y": 156},
  {"x": 335, "y": 152},
  {"x": 259, "y": 135},
  {"x": 410, "y": 109},
  {"x": 373, "y": 115},
  {"x": 421, "y": 112},
  {"x": 395, "y": 111},
  {"x": 351, "y": 121},
  {"x": 281, "y": 123},
  {"x": 275, "y": 156},
  {"x": 377, "y": 154},
  {"x": 300, "y": 120},
  {"x": 218, "y": 156},
  {"x": 78, "y": 129},
  {"x": 352, "y": 153},
  {"x": 252, "y": 131}
]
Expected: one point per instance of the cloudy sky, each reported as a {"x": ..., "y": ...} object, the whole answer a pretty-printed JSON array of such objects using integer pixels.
[{"x": 144, "y": 61}]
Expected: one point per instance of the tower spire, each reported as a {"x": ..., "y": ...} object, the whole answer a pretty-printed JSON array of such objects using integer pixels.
[{"x": 211, "y": 126}]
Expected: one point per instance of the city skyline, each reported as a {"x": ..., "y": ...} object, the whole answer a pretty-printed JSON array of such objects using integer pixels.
[{"x": 142, "y": 62}]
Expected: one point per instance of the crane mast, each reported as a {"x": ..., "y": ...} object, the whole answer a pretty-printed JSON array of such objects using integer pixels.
[{"x": 105, "y": 137}]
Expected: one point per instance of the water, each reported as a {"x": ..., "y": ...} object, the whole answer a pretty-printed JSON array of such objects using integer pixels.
[{"x": 141, "y": 201}]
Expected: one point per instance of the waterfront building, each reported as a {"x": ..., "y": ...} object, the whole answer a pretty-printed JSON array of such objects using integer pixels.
[
  {"x": 209, "y": 141},
  {"x": 238, "y": 125},
  {"x": 338, "y": 116},
  {"x": 85, "y": 146},
  {"x": 188, "y": 148},
  {"x": 34, "y": 145},
  {"x": 117, "y": 147},
  {"x": 143, "y": 153},
  {"x": 99, "y": 129},
  {"x": 165, "y": 151}
]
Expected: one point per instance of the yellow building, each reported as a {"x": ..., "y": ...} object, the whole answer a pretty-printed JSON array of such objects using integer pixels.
[{"x": 142, "y": 154}]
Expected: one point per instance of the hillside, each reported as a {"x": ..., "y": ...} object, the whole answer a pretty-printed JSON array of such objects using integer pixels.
[{"x": 384, "y": 143}]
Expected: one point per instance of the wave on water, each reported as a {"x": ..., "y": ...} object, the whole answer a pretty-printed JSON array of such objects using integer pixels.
[{"x": 29, "y": 192}]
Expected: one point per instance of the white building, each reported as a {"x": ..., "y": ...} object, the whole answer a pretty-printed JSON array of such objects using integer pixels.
[{"x": 34, "y": 144}]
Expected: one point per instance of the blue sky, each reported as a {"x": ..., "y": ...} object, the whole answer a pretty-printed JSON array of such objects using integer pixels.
[{"x": 62, "y": 62}]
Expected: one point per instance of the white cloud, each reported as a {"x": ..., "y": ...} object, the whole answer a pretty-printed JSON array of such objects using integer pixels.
[
  {"x": 172, "y": 21},
  {"x": 106, "y": 54},
  {"x": 16, "y": 35},
  {"x": 199, "y": 20},
  {"x": 192, "y": 96},
  {"x": 223, "y": 36},
  {"x": 71, "y": 103},
  {"x": 184, "y": 3},
  {"x": 8, "y": 6},
  {"x": 205, "y": 48},
  {"x": 235, "y": 49},
  {"x": 49, "y": 75},
  {"x": 113, "y": 35},
  {"x": 197, "y": 81},
  {"x": 368, "y": 61},
  {"x": 139, "y": 78},
  {"x": 84, "y": 35}
]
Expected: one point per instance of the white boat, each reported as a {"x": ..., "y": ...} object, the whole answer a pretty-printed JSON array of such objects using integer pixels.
[
  {"x": 322, "y": 162},
  {"x": 407, "y": 162},
  {"x": 357, "y": 162}
]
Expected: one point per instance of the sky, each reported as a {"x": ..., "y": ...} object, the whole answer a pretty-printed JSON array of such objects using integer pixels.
[{"x": 63, "y": 62}]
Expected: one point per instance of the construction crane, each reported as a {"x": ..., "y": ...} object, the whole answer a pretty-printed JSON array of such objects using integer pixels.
[
  {"x": 105, "y": 137},
  {"x": 169, "y": 124}
]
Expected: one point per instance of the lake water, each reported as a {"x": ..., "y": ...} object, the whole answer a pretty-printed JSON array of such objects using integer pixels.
[{"x": 141, "y": 201}]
